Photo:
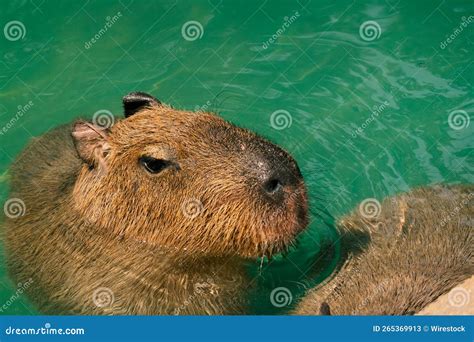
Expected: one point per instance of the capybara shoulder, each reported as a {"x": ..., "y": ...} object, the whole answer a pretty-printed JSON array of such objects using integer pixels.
[
  {"x": 46, "y": 168},
  {"x": 420, "y": 247},
  {"x": 156, "y": 214}
]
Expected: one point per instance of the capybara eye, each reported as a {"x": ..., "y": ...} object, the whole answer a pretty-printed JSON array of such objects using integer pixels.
[{"x": 153, "y": 165}]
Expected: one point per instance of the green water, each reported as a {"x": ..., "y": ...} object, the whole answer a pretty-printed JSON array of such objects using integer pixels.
[{"x": 369, "y": 114}]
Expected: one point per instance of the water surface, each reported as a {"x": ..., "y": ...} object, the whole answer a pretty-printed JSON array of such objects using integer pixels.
[{"x": 366, "y": 113}]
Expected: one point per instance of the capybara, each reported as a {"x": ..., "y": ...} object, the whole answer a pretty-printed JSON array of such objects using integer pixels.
[
  {"x": 400, "y": 255},
  {"x": 157, "y": 214}
]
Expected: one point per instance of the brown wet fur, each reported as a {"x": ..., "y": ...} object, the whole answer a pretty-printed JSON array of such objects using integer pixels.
[
  {"x": 418, "y": 248},
  {"x": 104, "y": 222}
]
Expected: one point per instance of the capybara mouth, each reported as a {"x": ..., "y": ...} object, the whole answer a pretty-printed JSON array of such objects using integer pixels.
[{"x": 281, "y": 237}]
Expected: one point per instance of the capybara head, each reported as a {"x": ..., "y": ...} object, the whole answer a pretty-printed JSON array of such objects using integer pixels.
[{"x": 188, "y": 182}]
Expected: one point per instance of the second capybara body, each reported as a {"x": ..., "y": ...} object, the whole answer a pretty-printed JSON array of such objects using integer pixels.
[
  {"x": 400, "y": 256},
  {"x": 154, "y": 215}
]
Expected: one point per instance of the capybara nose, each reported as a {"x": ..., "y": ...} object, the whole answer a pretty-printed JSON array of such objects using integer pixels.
[
  {"x": 273, "y": 186},
  {"x": 281, "y": 175}
]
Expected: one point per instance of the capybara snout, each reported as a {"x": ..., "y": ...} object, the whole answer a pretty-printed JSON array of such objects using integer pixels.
[
  {"x": 276, "y": 173},
  {"x": 270, "y": 174},
  {"x": 265, "y": 177}
]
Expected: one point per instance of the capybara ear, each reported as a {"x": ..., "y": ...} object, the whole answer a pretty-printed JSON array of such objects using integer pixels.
[
  {"x": 133, "y": 102},
  {"x": 91, "y": 142}
]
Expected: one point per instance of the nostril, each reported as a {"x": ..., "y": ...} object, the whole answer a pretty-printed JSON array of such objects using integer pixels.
[{"x": 272, "y": 186}]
